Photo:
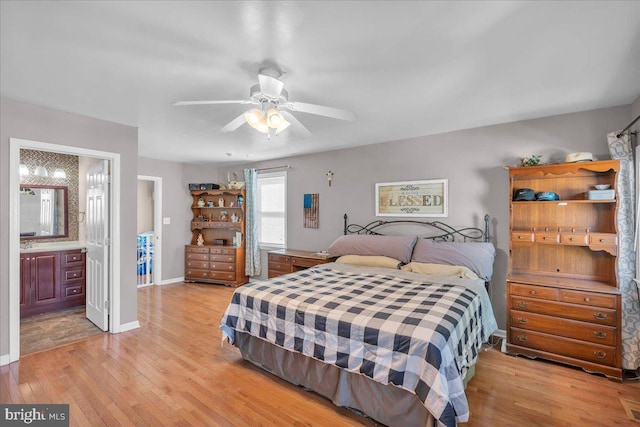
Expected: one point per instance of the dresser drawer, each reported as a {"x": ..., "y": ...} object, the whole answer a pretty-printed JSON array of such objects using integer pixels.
[
  {"x": 275, "y": 273},
  {"x": 201, "y": 265},
  {"x": 602, "y": 316},
  {"x": 600, "y": 334},
  {"x": 191, "y": 256},
  {"x": 534, "y": 291},
  {"x": 197, "y": 250},
  {"x": 304, "y": 262},
  {"x": 588, "y": 298},
  {"x": 223, "y": 251},
  {"x": 196, "y": 274},
  {"x": 222, "y": 258},
  {"x": 283, "y": 259},
  {"x": 219, "y": 275},
  {"x": 222, "y": 266},
  {"x": 72, "y": 258},
  {"x": 71, "y": 274},
  {"x": 602, "y": 239},
  {"x": 568, "y": 347},
  {"x": 574, "y": 239},
  {"x": 546, "y": 237},
  {"x": 519, "y": 236},
  {"x": 72, "y": 291}
]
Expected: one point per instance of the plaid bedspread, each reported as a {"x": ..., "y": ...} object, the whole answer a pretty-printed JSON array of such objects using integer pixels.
[{"x": 391, "y": 326}]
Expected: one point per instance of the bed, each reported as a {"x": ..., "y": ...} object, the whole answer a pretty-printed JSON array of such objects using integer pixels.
[{"x": 373, "y": 331}]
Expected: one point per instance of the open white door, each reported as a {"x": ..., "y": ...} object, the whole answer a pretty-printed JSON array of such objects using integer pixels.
[{"x": 98, "y": 243}]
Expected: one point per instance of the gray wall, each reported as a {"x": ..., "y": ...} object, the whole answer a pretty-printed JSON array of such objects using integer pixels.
[
  {"x": 176, "y": 203},
  {"x": 18, "y": 120},
  {"x": 472, "y": 160}
]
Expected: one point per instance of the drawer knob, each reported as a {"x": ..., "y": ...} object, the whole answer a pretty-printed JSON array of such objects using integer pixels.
[
  {"x": 522, "y": 320},
  {"x": 520, "y": 237},
  {"x": 600, "y": 316},
  {"x": 545, "y": 238},
  {"x": 587, "y": 299},
  {"x": 522, "y": 338},
  {"x": 572, "y": 239},
  {"x": 600, "y": 354},
  {"x": 522, "y": 304},
  {"x": 600, "y": 334},
  {"x": 602, "y": 240},
  {"x": 533, "y": 292}
]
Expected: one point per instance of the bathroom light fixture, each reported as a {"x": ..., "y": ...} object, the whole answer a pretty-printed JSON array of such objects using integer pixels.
[
  {"x": 41, "y": 171},
  {"x": 24, "y": 170},
  {"x": 59, "y": 173}
]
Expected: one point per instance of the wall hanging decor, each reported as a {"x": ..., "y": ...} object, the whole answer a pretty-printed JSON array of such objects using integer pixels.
[
  {"x": 412, "y": 198},
  {"x": 311, "y": 209}
]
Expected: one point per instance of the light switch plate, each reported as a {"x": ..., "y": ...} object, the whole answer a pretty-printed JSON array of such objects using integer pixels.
[{"x": 166, "y": 220}]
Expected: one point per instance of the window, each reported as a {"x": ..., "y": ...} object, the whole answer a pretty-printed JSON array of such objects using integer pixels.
[{"x": 272, "y": 209}]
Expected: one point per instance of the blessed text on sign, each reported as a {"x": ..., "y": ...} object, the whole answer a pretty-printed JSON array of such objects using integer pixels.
[{"x": 412, "y": 198}]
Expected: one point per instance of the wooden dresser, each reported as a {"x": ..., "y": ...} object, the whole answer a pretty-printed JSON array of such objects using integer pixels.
[
  {"x": 284, "y": 261},
  {"x": 562, "y": 295},
  {"x": 218, "y": 220}
]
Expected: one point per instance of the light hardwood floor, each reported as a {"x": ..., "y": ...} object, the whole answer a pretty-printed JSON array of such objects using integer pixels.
[{"x": 174, "y": 370}]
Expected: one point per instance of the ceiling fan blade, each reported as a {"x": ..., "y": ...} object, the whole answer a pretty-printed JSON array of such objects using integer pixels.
[
  {"x": 227, "y": 101},
  {"x": 321, "y": 110},
  {"x": 234, "y": 124},
  {"x": 297, "y": 127},
  {"x": 270, "y": 86}
]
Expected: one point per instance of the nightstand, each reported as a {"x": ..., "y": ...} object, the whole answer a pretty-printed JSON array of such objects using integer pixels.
[{"x": 284, "y": 261}]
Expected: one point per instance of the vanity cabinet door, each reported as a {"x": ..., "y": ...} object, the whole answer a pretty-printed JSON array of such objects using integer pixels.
[{"x": 44, "y": 278}]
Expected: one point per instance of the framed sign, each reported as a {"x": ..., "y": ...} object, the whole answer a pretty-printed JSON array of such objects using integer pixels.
[{"x": 412, "y": 198}]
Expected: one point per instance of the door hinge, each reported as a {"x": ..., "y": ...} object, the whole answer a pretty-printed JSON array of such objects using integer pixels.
[
  {"x": 108, "y": 179},
  {"x": 106, "y": 305},
  {"x": 107, "y": 241}
]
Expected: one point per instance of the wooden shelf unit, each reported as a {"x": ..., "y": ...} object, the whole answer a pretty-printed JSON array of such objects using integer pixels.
[
  {"x": 221, "y": 263},
  {"x": 562, "y": 293}
]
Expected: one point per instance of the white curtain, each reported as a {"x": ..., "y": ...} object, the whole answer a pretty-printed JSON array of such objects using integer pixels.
[
  {"x": 253, "y": 264},
  {"x": 620, "y": 148}
]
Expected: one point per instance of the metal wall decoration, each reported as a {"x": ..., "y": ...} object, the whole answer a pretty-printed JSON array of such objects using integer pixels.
[
  {"x": 311, "y": 210},
  {"x": 412, "y": 198}
]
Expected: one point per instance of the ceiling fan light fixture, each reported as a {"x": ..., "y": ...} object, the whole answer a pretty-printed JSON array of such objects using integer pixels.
[
  {"x": 255, "y": 119},
  {"x": 274, "y": 118},
  {"x": 284, "y": 125}
]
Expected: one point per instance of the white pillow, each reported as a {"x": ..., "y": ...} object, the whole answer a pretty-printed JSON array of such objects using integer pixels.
[
  {"x": 370, "y": 261},
  {"x": 440, "y": 270}
]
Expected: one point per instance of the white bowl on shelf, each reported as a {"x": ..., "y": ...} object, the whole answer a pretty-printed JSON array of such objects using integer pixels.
[{"x": 602, "y": 186}]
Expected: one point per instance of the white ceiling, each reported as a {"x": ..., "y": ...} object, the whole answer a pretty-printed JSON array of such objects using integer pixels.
[{"x": 404, "y": 68}]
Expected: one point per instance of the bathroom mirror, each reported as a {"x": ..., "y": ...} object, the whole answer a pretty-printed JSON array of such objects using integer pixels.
[{"x": 43, "y": 212}]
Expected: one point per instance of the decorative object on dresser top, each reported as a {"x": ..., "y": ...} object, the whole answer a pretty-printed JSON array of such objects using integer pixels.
[
  {"x": 51, "y": 280},
  {"x": 562, "y": 292},
  {"x": 216, "y": 253},
  {"x": 347, "y": 329}
]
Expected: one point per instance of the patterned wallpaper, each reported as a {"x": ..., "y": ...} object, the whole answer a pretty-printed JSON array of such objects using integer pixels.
[{"x": 51, "y": 161}]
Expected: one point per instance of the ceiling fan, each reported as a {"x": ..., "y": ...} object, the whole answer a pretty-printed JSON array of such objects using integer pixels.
[{"x": 272, "y": 111}]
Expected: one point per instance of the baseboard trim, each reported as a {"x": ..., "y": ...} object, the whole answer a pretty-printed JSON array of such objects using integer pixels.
[
  {"x": 500, "y": 333},
  {"x": 5, "y": 359},
  {"x": 146, "y": 285},
  {"x": 170, "y": 281},
  {"x": 129, "y": 326}
]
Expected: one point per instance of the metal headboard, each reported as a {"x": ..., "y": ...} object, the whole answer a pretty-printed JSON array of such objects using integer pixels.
[{"x": 443, "y": 232}]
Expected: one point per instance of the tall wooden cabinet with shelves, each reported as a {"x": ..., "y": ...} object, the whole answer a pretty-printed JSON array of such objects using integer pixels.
[
  {"x": 219, "y": 217},
  {"x": 562, "y": 293}
]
